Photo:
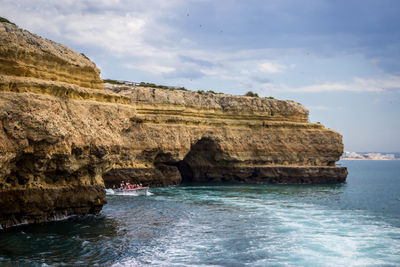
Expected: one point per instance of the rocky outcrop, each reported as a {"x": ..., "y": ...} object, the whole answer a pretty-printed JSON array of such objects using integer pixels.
[
  {"x": 50, "y": 167},
  {"x": 27, "y": 55},
  {"x": 63, "y": 136}
]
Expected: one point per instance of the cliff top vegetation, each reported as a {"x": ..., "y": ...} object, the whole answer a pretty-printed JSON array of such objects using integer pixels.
[
  {"x": 172, "y": 88},
  {"x": 5, "y": 20},
  {"x": 251, "y": 94}
]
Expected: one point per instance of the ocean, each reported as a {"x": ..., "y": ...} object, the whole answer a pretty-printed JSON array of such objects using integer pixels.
[{"x": 352, "y": 224}]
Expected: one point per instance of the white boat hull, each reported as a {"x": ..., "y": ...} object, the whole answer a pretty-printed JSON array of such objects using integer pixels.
[{"x": 129, "y": 192}]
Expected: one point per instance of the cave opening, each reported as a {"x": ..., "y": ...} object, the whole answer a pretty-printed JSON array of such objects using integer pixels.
[{"x": 200, "y": 162}]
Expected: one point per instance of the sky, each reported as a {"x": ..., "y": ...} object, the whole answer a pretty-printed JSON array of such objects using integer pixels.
[{"x": 339, "y": 58}]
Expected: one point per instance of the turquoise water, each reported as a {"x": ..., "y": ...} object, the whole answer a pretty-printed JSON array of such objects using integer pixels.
[{"x": 354, "y": 224}]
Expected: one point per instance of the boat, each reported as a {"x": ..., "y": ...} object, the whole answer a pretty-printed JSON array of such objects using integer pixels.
[{"x": 140, "y": 191}]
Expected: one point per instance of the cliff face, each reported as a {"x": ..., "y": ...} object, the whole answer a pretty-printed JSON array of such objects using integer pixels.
[
  {"x": 208, "y": 137},
  {"x": 49, "y": 167},
  {"x": 62, "y": 135}
]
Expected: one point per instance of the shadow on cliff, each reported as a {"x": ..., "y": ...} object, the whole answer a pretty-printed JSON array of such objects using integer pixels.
[
  {"x": 162, "y": 168},
  {"x": 155, "y": 168},
  {"x": 202, "y": 162}
]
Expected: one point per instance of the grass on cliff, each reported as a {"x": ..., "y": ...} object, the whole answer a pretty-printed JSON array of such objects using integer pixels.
[
  {"x": 173, "y": 88},
  {"x": 251, "y": 94},
  {"x": 202, "y": 92},
  {"x": 112, "y": 81},
  {"x": 143, "y": 84},
  {"x": 5, "y": 20},
  {"x": 153, "y": 85}
]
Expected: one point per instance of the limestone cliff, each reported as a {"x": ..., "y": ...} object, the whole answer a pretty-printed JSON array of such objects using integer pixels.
[
  {"x": 214, "y": 137},
  {"x": 62, "y": 135},
  {"x": 27, "y": 55}
]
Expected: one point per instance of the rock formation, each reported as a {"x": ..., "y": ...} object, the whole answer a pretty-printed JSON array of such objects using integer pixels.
[{"x": 63, "y": 136}]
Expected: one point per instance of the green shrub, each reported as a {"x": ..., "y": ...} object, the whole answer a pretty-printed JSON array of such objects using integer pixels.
[
  {"x": 112, "y": 81},
  {"x": 251, "y": 94},
  {"x": 143, "y": 84},
  {"x": 270, "y": 97},
  {"x": 85, "y": 56},
  {"x": 5, "y": 20},
  {"x": 201, "y": 92},
  {"x": 165, "y": 87}
]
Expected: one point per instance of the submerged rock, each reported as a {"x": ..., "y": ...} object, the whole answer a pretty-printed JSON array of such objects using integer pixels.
[{"x": 63, "y": 136}]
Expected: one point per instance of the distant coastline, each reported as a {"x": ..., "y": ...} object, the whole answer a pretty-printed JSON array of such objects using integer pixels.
[
  {"x": 369, "y": 156},
  {"x": 367, "y": 159}
]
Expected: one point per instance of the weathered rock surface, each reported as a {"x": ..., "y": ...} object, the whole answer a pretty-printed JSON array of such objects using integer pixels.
[
  {"x": 28, "y": 55},
  {"x": 62, "y": 137}
]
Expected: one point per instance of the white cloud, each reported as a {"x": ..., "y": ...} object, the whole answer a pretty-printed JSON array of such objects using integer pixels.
[
  {"x": 270, "y": 67},
  {"x": 141, "y": 35},
  {"x": 128, "y": 28},
  {"x": 356, "y": 85},
  {"x": 380, "y": 84},
  {"x": 153, "y": 68},
  {"x": 123, "y": 35}
]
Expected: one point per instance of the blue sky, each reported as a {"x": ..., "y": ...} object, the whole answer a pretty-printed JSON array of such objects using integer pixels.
[{"x": 341, "y": 59}]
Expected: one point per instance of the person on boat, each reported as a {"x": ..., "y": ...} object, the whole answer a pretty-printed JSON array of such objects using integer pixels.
[{"x": 122, "y": 185}]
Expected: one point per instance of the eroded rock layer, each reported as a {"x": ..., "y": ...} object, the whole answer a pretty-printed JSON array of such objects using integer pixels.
[
  {"x": 62, "y": 137},
  {"x": 27, "y": 55}
]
